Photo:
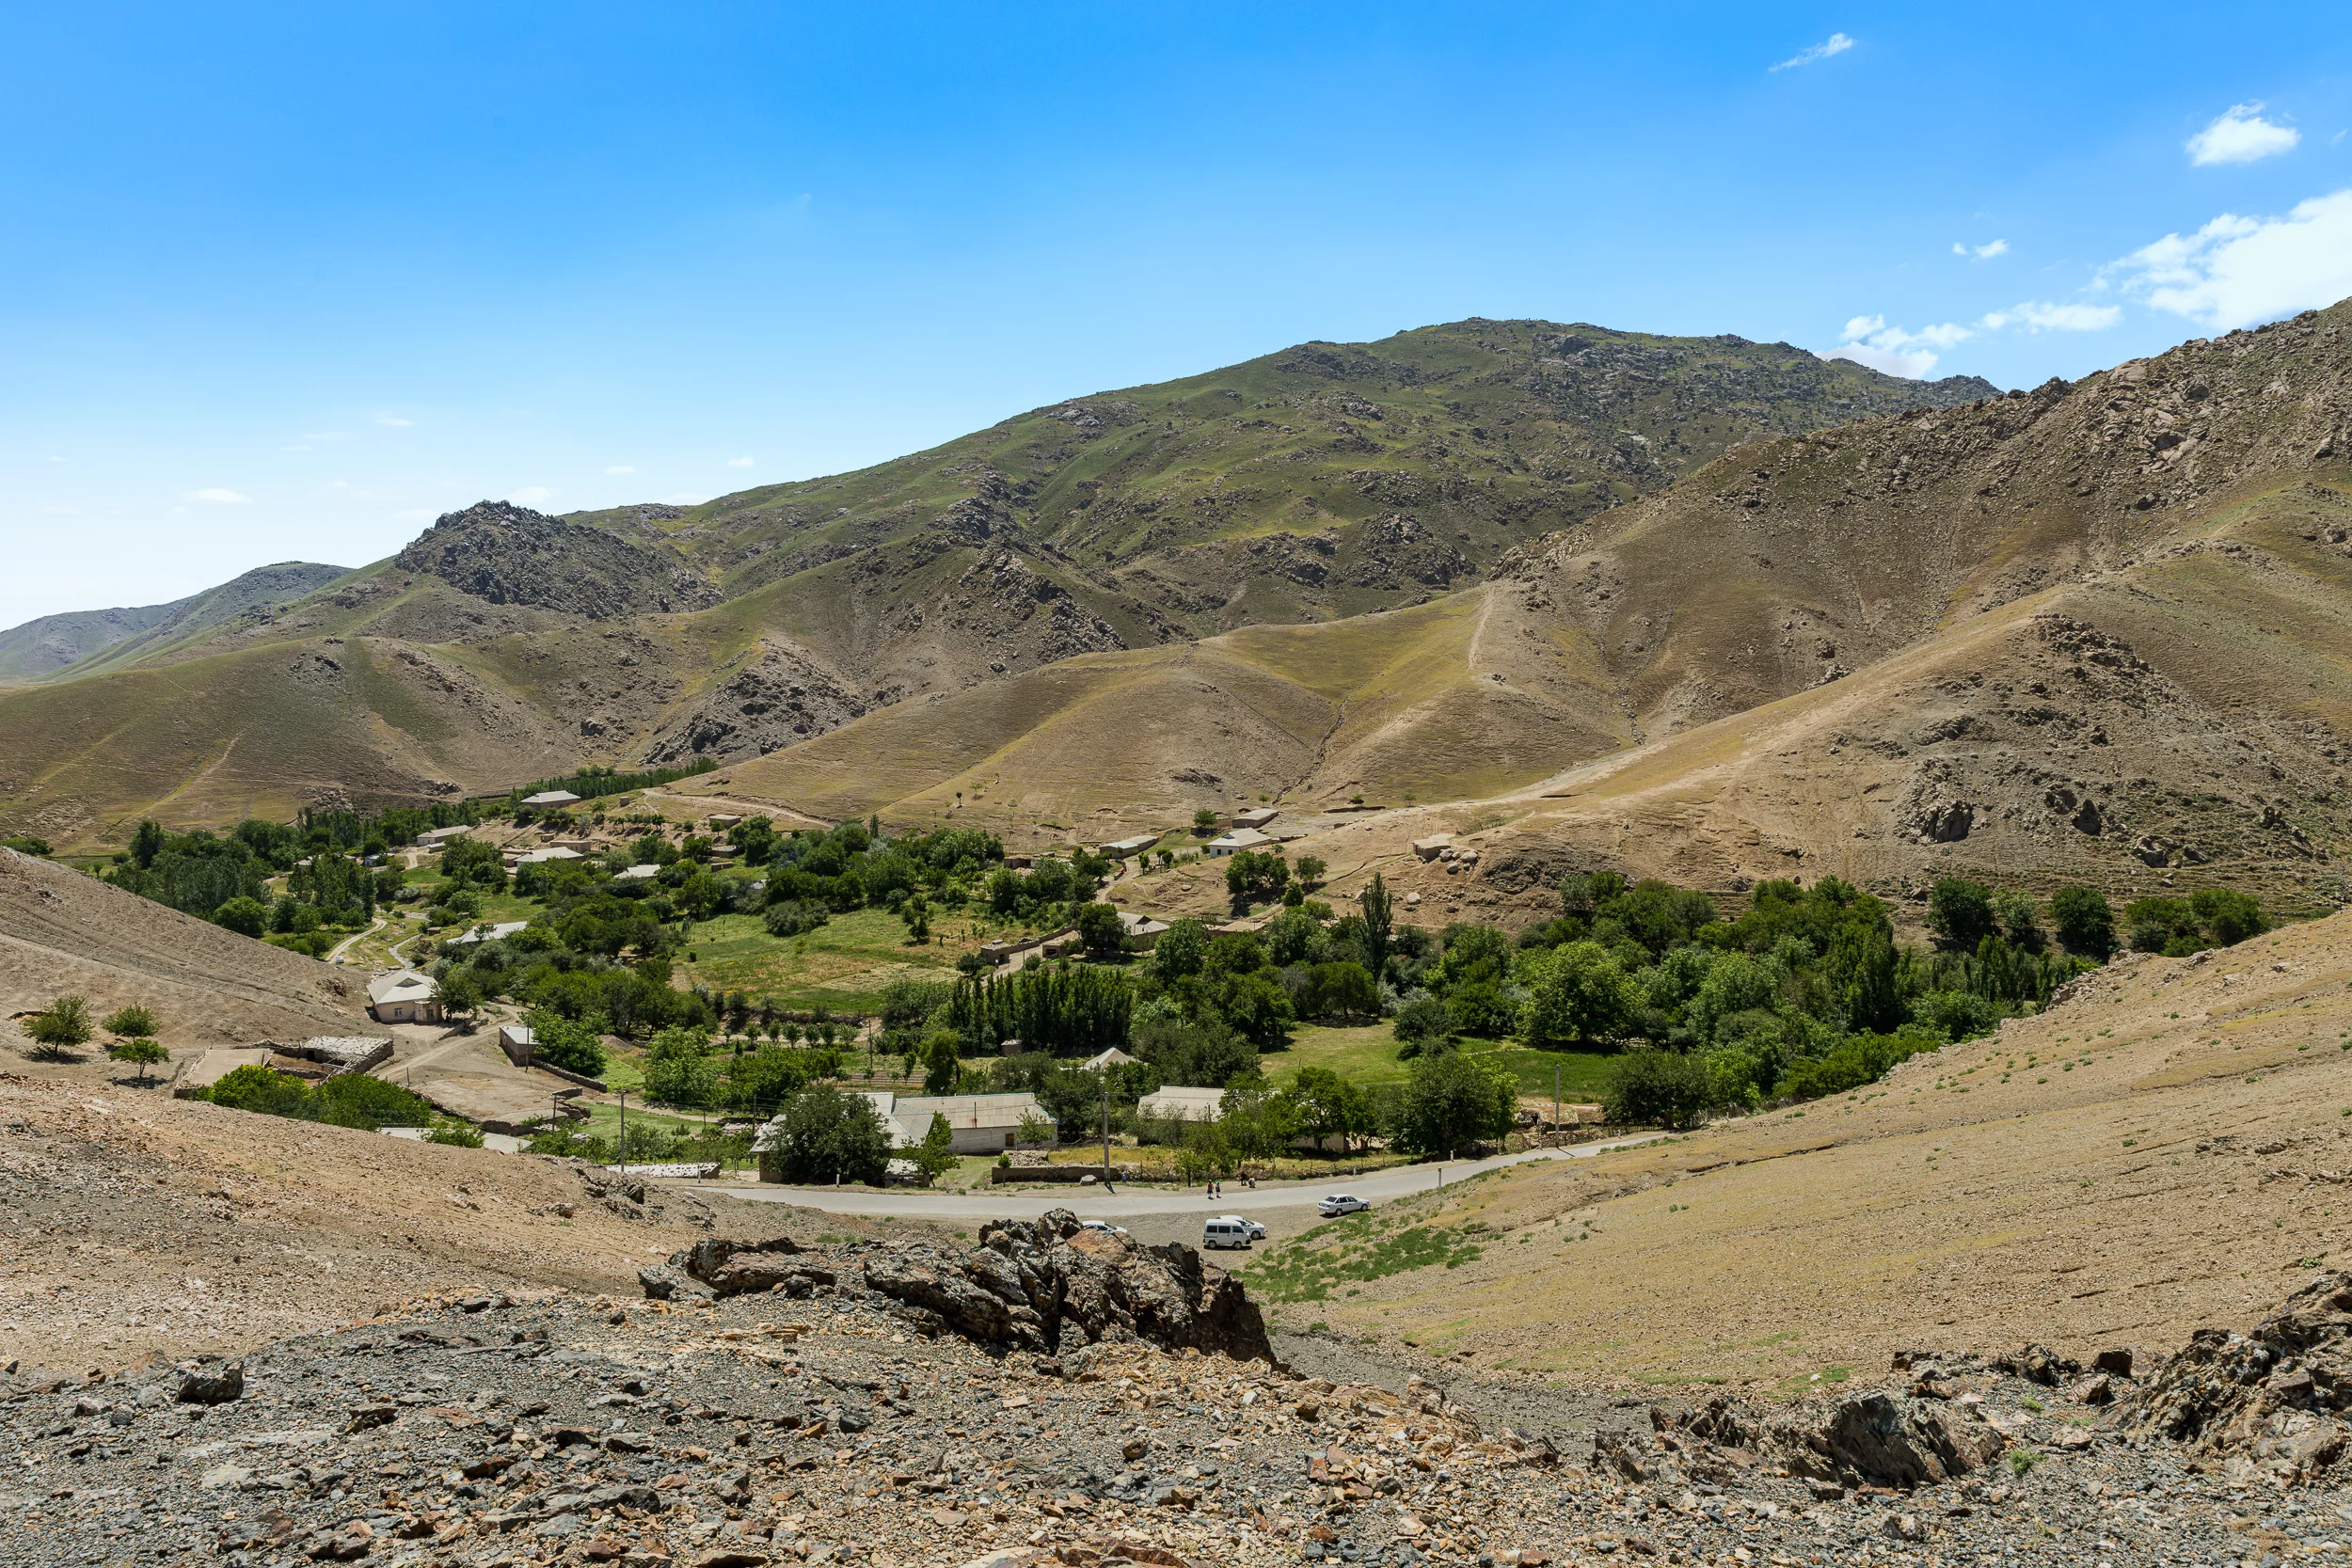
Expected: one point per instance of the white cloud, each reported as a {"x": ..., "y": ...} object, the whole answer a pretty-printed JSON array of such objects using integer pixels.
[
  {"x": 739, "y": 461},
  {"x": 529, "y": 495},
  {"x": 620, "y": 468},
  {"x": 1982, "y": 252},
  {"x": 394, "y": 420},
  {"x": 1870, "y": 341},
  {"x": 298, "y": 446},
  {"x": 2240, "y": 136},
  {"x": 1837, "y": 43},
  {"x": 2238, "y": 271},
  {"x": 215, "y": 493},
  {"x": 2042, "y": 316}
]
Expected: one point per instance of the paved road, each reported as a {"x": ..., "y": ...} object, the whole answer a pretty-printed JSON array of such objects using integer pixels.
[{"x": 1140, "y": 1200}]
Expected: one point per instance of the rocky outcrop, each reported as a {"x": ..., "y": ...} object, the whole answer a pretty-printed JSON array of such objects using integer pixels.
[
  {"x": 2270, "y": 1404},
  {"x": 1030, "y": 1283},
  {"x": 1880, "y": 1439},
  {"x": 779, "y": 694},
  {"x": 508, "y": 554}
]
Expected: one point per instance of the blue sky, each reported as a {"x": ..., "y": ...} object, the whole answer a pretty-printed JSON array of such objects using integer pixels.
[{"x": 288, "y": 281}]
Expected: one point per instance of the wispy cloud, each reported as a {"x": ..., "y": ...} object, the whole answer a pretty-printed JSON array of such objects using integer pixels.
[
  {"x": 298, "y": 446},
  {"x": 215, "y": 493},
  {"x": 1895, "y": 349},
  {"x": 394, "y": 420},
  {"x": 620, "y": 468},
  {"x": 1837, "y": 43},
  {"x": 2240, "y": 136},
  {"x": 2237, "y": 270},
  {"x": 2042, "y": 316},
  {"x": 1982, "y": 252},
  {"x": 739, "y": 461}
]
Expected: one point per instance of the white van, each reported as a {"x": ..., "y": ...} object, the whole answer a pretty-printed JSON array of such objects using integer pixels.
[{"x": 1226, "y": 1231}]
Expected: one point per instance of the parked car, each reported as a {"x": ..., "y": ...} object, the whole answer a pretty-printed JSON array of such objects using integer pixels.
[
  {"x": 1103, "y": 1226},
  {"x": 1341, "y": 1203},
  {"x": 1226, "y": 1231}
]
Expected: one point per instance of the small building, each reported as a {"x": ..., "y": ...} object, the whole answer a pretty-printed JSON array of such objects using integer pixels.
[
  {"x": 1142, "y": 932},
  {"x": 498, "y": 932},
  {"x": 637, "y": 874},
  {"x": 1102, "y": 1061},
  {"x": 1120, "y": 848},
  {"x": 1175, "y": 1102},
  {"x": 720, "y": 821},
  {"x": 433, "y": 838},
  {"x": 979, "y": 1123},
  {"x": 551, "y": 798},
  {"x": 553, "y": 852},
  {"x": 518, "y": 1043},
  {"x": 1256, "y": 817},
  {"x": 404, "y": 996},
  {"x": 1235, "y": 842}
]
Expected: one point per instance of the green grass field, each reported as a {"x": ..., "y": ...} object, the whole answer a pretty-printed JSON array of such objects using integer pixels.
[
  {"x": 1367, "y": 1055},
  {"x": 843, "y": 964}
]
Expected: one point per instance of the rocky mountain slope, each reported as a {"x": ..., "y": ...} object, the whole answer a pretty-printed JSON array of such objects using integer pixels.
[
  {"x": 55, "y": 644},
  {"x": 1315, "y": 484}
]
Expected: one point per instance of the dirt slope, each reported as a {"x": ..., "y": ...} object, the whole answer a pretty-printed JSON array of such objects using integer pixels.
[
  {"x": 2166, "y": 1148},
  {"x": 62, "y": 932}
]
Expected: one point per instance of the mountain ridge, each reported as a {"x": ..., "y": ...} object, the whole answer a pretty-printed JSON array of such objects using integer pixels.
[{"x": 49, "y": 645}]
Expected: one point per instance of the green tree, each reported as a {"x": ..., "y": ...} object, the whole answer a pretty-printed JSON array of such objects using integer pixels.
[
  {"x": 576, "y": 1045},
  {"x": 1664, "y": 1086},
  {"x": 937, "y": 1055},
  {"x": 1181, "y": 950},
  {"x": 248, "y": 917},
  {"x": 678, "y": 1070},
  {"x": 1961, "y": 913},
  {"x": 1338, "y": 991},
  {"x": 146, "y": 844},
  {"x": 142, "y": 1053},
  {"x": 1380, "y": 924},
  {"x": 1424, "y": 1022},
  {"x": 1099, "y": 927},
  {"x": 129, "y": 1020},
  {"x": 2019, "y": 923},
  {"x": 937, "y": 1155},
  {"x": 57, "y": 1028},
  {"x": 1252, "y": 877},
  {"x": 827, "y": 1136},
  {"x": 916, "y": 912},
  {"x": 1454, "y": 1100},
  {"x": 2229, "y": 917},
  {"x": 1860, "y": 970},
  {"x": 1203, "y": 822},
  {"x": 1330, "y": 1106},
  {"x": 1578, "y": 993},
  {"x": 2085, "y": 921},
  {"x": 461, "y": 993},
  {"x": 1309, "y": 869}
]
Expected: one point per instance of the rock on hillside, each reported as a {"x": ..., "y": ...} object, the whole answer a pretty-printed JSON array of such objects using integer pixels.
[{"x": 510, "y": 554}]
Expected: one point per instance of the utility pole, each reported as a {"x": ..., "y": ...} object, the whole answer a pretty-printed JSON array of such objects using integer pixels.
[
  {"x": 1106, "y": 1122},
  {"x": 623, "y": 1095},
  {"x": 1555, "y": 1099}
]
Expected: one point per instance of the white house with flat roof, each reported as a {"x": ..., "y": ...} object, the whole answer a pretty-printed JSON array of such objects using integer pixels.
[
  {"x": 1239, "y": 840},
  {"x": 1175, "y": 1102},
  {"x": 551, "y": 798}
]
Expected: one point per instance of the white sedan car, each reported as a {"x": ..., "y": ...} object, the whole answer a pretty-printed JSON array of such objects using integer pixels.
[{"x": 1341, "y": 1203}]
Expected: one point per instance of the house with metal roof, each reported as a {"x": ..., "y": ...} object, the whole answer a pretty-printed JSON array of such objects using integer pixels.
[{"x": 404, "y": 996}]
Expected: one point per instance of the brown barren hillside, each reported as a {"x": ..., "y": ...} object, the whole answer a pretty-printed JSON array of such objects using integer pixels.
[
  {"x": 2163, "y": 1149},
  {"x": 64, "y": 933}
]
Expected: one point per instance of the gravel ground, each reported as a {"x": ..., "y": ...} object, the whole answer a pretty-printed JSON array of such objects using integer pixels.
[{"x": 556, "y": 1426}]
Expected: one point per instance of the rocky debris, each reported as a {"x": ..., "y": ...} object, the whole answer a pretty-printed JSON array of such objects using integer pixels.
[
  {"x": 508, "y": 554},
  {"x": 209, "y": 1381},
  {"x": 761, "y": 1431},
  {"x": 2270, "y": 1403},
  {"x": 778, "y": 694},
  {"x": 629, "y": 1195}
]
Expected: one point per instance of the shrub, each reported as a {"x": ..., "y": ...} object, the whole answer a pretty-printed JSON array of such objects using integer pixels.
[
  {"x": 1856, "y": 1060},
  {"x": 1664, "y": 1086},
  {"x": 1420, "y": 1022},
  {"x": 572, "y": 1044},
  {"x": 794, "y": 917},
  {"x": 2228, "y": 917},
  {"x": 312, "y": 944},
  {"x": 248, "y": 917},
  {"x": 24, "y": 844},
  {"x": 142, "y": 1053},
  {"x": 1482, "y": 1010},
  {"x": 2085, "y": 922},
  {"x": 1956, "y": 1014},
  {"x": 1961, "y": 913},
  {"x": 133, "y": 1019},
  {"x": 459, "y": 1134}
]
